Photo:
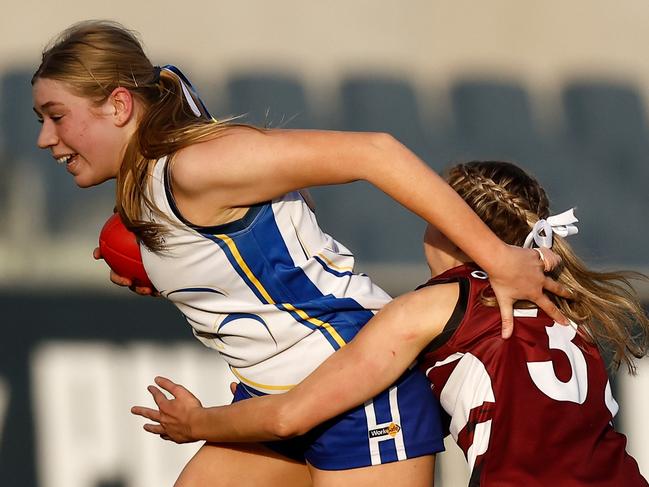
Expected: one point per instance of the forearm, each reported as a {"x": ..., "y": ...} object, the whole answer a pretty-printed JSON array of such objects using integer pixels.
[
  {"x": 251, "y": 420},
  {"x": 408, "y": 180},
  {"x": 360, "y": 370},
  {"x": 357, "y": 372},
  {"x": 345, "y": 380}
]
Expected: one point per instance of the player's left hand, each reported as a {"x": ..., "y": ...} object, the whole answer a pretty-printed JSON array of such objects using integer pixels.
[
  {"x": 172, "y": 419},
  {"x": 520, "y": 275},
  {"x": 125, "y": 281}
]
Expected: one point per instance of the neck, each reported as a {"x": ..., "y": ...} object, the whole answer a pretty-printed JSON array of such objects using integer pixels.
[{"x": 441, "y": 262}]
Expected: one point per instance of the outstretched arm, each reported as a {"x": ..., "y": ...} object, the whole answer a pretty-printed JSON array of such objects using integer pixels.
[
  {"x": 247, "y": 166},
  {"x": 370, "y": 363}
]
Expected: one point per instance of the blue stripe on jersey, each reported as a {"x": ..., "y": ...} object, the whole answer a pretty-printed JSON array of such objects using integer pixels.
[
  {"x": 262, "y": 294},
  {"x": 262, "y": 248},
  {"x": 332, "y": 271},
  {"x": 382, "y": 410},
  {"x": 237, "y": 316},
  {"x": 388, "y": 451},
  {"x": 196, "y": 290},
  {"x": 236, "y": 267},
  {"x": 292, "y": 285}
]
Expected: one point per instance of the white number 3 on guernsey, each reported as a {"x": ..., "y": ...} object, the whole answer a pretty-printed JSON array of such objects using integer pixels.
[{"x": 544, "y": 377}]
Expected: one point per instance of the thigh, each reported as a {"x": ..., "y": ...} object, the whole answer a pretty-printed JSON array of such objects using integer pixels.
[
  {"x": 415, "y": 472},
  {"x": 242, "y": 465}
]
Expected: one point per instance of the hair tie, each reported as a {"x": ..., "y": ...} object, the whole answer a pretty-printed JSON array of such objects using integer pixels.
[{"x": 561, "y": 224}]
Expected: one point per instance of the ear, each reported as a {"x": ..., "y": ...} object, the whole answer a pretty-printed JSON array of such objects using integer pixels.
[{"x": 121, "y": 105}]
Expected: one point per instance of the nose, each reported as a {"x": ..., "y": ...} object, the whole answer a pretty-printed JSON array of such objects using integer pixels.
[{"x": 47, "y": 136}]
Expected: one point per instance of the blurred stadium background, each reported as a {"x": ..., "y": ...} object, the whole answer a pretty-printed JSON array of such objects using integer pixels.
[{"x": 559, "y": 87}]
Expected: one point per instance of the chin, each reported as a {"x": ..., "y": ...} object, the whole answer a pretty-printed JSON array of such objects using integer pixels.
[
  {"x": 82, "y": 182},
  {"x": 85, "y": 181}
]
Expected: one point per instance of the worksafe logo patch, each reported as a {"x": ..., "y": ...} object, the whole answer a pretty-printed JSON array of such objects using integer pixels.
[{"x": 390, "y": 430}]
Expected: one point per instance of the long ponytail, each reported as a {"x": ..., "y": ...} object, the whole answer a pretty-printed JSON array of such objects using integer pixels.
[{"x": 168, "y": 124}]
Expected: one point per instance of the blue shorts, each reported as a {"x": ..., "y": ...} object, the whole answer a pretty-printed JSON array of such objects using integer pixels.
[{"x": 400, "y": 423}]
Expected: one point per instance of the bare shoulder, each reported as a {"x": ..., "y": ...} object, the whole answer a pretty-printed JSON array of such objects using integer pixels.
[
  {"x": 207, "y": 163},
  {"x": 437, "y": 294},
  {"x": 427, "y": 309},
  {"x": 236, "y": 154},
  {"x": 241, "y": 166},
  {"x": 436, "y": 299}
]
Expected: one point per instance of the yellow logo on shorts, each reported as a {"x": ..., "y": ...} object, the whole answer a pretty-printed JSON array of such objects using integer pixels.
[{"x": 392, "y": 430}]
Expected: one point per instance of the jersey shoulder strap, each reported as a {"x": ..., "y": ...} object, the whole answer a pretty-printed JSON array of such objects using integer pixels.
[{"x": 462, "y": 275}]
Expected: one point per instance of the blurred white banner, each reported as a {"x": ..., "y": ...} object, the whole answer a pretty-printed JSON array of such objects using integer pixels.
[
  {"x": 85, "y": 434},
  {"x": 82, "y": 394}
]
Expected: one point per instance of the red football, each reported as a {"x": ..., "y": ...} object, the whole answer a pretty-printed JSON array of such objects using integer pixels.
[{"x": 120, "y": 250}]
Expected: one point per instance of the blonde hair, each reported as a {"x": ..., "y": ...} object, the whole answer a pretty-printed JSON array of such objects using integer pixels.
[
  {"x": 95, "y": 57},
  {"x": 510, "y": 202}
]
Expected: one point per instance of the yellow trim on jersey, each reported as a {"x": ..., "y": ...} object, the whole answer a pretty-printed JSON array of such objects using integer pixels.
[
  {"x": 315, "y": 321},
  {"x": 328, "y": 261},
  {"x": 334, "y": 266},
  {"x": 257, "y": 385},
  {"x": 244, "y": 267}
]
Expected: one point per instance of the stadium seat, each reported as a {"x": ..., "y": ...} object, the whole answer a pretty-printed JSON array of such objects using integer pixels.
[
  {"x": 494, "y": 119},
  {"x": 607, "y": 121},
  {"x": 371, "y": 223},
  {"x": 269, "y": 100},
  {"x": 605, "y": 113},
  {"x": 385, "y": 104},
  {"x": 607, "y": 124}
]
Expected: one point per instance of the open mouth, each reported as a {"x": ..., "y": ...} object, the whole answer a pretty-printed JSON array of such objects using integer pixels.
[{"x": 66, "y": 159}]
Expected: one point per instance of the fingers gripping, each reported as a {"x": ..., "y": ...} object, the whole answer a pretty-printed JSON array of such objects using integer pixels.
[
  {"x": 557, "y": 288},
  {"x": 507, "y": 316},
  {"x": 551, "y": 310}
]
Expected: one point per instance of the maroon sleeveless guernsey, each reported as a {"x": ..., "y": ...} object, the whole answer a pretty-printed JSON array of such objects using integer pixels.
[{"x": 533, "y": 410}]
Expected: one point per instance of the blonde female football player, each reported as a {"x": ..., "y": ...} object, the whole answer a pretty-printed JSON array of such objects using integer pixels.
[
  {"x": 227, "y": 237},
  {"x": 533, "y": 410}
]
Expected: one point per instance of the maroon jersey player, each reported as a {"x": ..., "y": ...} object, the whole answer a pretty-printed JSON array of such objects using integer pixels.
[
  {"x": 528, "y": 410},
  {"x": 534, "y": 410}
]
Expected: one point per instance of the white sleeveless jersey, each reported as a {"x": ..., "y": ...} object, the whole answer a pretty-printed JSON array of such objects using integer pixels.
[{"x": 272, "y": 292}]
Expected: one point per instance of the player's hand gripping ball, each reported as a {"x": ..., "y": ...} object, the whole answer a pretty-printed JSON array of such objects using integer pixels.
[{"x": 121, "y": 251}]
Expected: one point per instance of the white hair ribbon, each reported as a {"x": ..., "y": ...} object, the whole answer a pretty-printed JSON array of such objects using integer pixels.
[{"x": 561, "y": 224}]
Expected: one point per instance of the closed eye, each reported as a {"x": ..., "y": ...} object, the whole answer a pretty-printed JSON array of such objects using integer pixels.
[
  {"x": 55, "y": 119},
  {"x": 39, "y": 117}
]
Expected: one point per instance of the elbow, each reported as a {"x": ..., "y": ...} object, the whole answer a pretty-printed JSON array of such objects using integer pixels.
[
  {"x": 384, "y": 141},
  {"x": 386, "y": 154},
  {"x": 288, "y": 423}
]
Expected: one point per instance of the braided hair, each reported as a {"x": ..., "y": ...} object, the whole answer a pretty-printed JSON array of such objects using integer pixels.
[{"x": 605, "y": 305}]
